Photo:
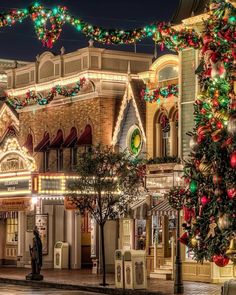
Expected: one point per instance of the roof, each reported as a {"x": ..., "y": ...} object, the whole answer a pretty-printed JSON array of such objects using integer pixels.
[
  {"x": 188, "y": 8},
  {"x": 133, "y": 93},
  {"x": 137, "y": 86}
]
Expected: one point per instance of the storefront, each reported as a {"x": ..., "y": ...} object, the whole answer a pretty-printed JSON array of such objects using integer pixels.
[{"x": 16, "y": 187}]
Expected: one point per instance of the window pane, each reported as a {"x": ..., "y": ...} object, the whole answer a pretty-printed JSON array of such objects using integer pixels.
[{"x": 167, "y": 73}]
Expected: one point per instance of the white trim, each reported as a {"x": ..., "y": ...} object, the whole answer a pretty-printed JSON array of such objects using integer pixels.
[{"x": 129, "y": 95}]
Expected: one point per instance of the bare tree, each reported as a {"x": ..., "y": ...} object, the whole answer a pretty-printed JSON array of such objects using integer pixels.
[{"x": 108, "y": 183}]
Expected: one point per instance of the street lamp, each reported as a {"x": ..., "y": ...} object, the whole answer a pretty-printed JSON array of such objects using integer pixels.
[{"x": 178, "y": 278}]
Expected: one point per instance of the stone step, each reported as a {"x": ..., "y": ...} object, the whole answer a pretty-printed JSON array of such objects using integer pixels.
[
  {"x": 163, "y": 271},
  {"x": 163, "y": 276},
  {"x": 166, "y": 267}
]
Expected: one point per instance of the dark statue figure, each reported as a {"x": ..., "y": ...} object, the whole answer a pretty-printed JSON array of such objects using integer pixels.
[{"x": 36, "y": 257}]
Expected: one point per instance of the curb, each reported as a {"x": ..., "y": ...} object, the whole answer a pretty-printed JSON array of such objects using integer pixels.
[{"x": 95, "y": 289}]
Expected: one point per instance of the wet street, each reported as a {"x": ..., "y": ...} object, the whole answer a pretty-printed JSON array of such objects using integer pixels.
[{"x": 25, "y": 290}]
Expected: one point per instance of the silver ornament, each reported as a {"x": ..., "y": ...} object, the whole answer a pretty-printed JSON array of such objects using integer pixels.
[
  {"x": 231, "y": 127},
  {"x": 193, "y": 143}
]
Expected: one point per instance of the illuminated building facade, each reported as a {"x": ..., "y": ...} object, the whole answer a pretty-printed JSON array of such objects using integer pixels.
[{"x": 58, "y": 106}]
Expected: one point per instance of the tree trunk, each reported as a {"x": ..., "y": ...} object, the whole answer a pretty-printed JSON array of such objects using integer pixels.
[{"x": 103, "y": 256}]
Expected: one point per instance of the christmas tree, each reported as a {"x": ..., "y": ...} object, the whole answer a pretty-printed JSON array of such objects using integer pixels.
[{"x": 210, "y": 173}]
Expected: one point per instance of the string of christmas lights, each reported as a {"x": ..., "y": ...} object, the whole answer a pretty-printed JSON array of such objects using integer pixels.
[
  {"x": 32, "y": 98},
  {"x": 156, "y": 94},
  {"x": 48, "y": 25}
]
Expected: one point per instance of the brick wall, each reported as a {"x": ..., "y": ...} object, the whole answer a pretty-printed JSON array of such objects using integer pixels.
[{"x": 98, "y": 112}]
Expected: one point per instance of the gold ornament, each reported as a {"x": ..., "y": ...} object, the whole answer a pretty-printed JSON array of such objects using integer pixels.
[
  {"x": 221, "y": 116},
  {"x": 211, "y": 232},
  {"x": 231, "y": 252},
  {"x": 224, "y": 222},
  {"x": 194, "y": 242},
  {"x": 205, "y": 168}
]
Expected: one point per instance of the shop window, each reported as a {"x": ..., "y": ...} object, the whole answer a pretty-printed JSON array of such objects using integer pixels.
[
  {"x": 156, "y": 230},
  {"x": 172, "y": 229},
  {"x": 59, "y": 159},
  {"x": 140, "y": 234},
  {"x": 12, "y": 231}
]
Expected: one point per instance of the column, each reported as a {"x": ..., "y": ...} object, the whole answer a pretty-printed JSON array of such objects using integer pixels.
[
  {"x": 158, "y": 142},
  {"x": 73, "y": 237},
  {"x": 21, "y": 238},
  {"x": 173, "y": 139}
]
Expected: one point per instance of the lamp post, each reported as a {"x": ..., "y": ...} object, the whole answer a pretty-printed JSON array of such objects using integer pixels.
[{"x": 178, "y": 278}]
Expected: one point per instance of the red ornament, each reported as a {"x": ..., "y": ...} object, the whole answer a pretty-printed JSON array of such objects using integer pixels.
[
  {"x": 188, "y": 214},
  {"x": 216, "y": 135},
  {"x": 233, "y": 160},
  {"x": 231, "y": 192},
  {"x": 184, "y": 239},
  {"x": 203, "y": 130},
  {"x": 217, "y": 179},
  {"x": 220, "y": 260},
  {"x": 205, "y": 200}
]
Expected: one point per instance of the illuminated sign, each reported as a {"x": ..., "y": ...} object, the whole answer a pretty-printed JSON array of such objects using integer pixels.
[
  {"x": 15, "y": 204},
  {"x": 11, "y": 186}
]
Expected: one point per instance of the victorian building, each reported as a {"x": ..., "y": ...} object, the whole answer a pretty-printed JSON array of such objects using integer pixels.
[{"x": 59, "y": 105}]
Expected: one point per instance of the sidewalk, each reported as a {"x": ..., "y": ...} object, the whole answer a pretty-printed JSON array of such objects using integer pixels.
[{"x": 84, "y": 280}]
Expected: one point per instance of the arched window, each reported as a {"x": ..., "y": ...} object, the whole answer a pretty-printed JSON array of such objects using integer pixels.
[
  {"x": 167, "y": 75},
  {"x": 165, "y": 138}
]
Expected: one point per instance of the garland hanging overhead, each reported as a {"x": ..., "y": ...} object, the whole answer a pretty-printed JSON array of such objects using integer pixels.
[
  {"x": 162, "y": 33},
  {"x": 32, "y": 98}
]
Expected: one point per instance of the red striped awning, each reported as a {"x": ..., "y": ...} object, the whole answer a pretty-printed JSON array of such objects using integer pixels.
[
  {"x": 71, "y": 139},
  {"x": 43, "y": 144},
  {"x": 86, "y": 136},
  {"x": 29, "y": 143},
  {"x": 57, "y": 141}
]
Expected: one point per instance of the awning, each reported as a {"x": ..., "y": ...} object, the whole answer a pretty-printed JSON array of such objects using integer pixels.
[
  {"x": 139, "y": 209},
  {"x": 71, "y": 139},
  {"x": 57, "y": 141},
  {"x": 86, "y": 136},
  {"x": 29, "y": 143},
  {"x": 164, "y": 208},
  {"x": 43, "y": 144}
]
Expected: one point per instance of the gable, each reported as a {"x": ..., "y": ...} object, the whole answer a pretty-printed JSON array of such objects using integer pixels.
[
  {"x": 8, "y": 118},
  {"x": 130, "y": 119}
]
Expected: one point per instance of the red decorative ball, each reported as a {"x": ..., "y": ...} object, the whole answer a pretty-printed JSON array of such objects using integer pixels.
[
  {"x": 204, "y": 200},
  {"x": 233, "y": 160},
  {"x": 217, "y": 179},
  {"x": 231, "y": 192},
  {"x": 220, "y": 260}
]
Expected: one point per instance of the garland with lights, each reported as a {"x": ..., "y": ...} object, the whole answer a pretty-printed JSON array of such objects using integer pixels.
[
  {"x": 155, "y": 95},
  {"x": 32, "y": 97},
  {"x": 210, "y": 172},
  {"x": 162, "y": 33}
]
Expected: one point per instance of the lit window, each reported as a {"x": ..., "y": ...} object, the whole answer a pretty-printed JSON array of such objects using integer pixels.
[
  {"x": 12, "y": 230},
  {"x": 168, "y": 73}
]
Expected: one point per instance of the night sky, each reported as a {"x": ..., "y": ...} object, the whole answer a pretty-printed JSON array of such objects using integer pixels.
[{"x": 20, "y": 42}]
